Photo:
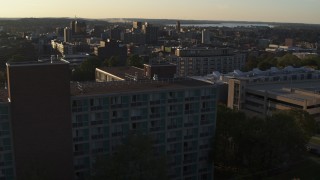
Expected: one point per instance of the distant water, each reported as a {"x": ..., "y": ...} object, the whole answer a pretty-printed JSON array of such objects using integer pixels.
[{"x": 230, "y": 25}]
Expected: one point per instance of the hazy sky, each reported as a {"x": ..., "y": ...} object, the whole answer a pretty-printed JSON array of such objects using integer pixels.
[{"x": 304, "y": 11}]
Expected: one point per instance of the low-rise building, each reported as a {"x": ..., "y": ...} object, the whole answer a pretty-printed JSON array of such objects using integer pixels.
[{"x": 261, "y": 92}]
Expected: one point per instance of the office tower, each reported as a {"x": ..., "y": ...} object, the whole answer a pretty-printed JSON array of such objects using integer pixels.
[
  {"x": 73, "y": 26},
  {"x": 178, "y": 27},
  {"x": 97, "y": 31},
  {"x": 39, "y": 98},
  {"x": 110, "y": 48},
  {"x": 205, "y": 37},
  {"x": 137, "y": 25},
  {"x": 151, "y": 33},
  {"x": 67, "y": 34},
  {"x": 60, "y": 32},
  {"x": 115, "y": 34},
  {"x": 80, "y": 28}
]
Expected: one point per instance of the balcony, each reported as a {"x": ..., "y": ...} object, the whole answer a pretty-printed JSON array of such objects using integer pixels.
[
  {"x": 189, "y": 137},
  {"x": 155, "y": 102},
  {"x": 136, "y": 118},
  {"x": 172, "y": 100},
  {"x": 189, "y": 111},
  {"x": 172, "y": 126},
  {"x": 172, "y": 139},
  {"x": 189, "y": 124},
  {"x": 188, "y": 149},
  {"x": 136, "y": 104},
  {"x": 172, "y": 113},
  {"x": 117, "y": 134},
  {"x": 155, "y": 116},
  {"x": 115, "y": 120},
  {"x": 96, "y": 122},
  {"x": 205, "y": 146},
  {"x": 98, "y": 150},
  {"x": 170, "y": 152},
  {"x": 205, "y": 134},
  {"x": 78, "y": 139},
  {"x": 97, "y": 136},
  {"x": 155, "y": 129}
]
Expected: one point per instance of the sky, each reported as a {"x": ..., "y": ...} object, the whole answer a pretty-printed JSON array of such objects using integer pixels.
[{"x": 296, "y": 11}]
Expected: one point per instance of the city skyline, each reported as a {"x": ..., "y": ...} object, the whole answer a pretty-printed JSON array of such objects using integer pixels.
[{"x": 291, "y": 11}]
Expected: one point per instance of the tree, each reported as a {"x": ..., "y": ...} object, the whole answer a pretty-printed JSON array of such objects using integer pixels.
[
  {"x": 135, "y": 159},
  {"x": 17, "y": 58},
  {"x": 251, "y": 63},
  {"x": 289, "y": 60},
  {"x": 135, "y": 60},
  {"x": 113, "y": 61},
  {"x": 312, "y": 61},
  {"x": 251, "y": 144},
  {"x": 86, "y": 71}
]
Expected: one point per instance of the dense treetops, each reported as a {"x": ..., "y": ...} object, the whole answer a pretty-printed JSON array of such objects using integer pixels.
[
  {"x": 251, "y": 145},
  {"x": 267, "y": 60}
]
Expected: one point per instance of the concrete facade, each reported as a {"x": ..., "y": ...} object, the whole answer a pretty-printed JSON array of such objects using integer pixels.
[{"x": 293, "y": 88}]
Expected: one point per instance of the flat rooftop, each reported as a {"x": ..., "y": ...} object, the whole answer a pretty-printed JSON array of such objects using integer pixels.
[
  {"x": 97, "y": 88},
  {"x": 122, "y": 72},
  {"x": 297, "y": 90},
  {"x": 92, "y": 88},
  {"x": 34, "y": 63}
]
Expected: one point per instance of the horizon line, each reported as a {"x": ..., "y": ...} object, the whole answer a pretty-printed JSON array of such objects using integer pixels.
[{"x": 170, "y": 19}]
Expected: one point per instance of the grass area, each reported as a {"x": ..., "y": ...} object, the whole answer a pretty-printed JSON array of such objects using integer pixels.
[
  {"x": 315, "y": 140},
  {"x": 308, "y": 169}
]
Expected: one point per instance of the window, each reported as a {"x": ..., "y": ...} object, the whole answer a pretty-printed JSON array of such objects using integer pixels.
[{"x": 114, "y": 113}]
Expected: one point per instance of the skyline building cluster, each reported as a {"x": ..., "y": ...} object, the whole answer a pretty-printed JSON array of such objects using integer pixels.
[{"x": 52, "y": 125}]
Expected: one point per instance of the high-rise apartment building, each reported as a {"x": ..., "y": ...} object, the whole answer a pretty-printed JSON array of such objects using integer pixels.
[
  {"x": 59, "y": 32},
  {"x": 205, "y": 37},
  {"x": 7, "y": 170},
  {"x": 116, "y": 34},
  {"x": 80, "y": 28},
  {"x": 39, "y": 103},
  {"x": 203, "y": 61},
  {"x": 178, "y": 27},
  {"x": 73, "y": 26},
  {"x": 46, "y": 116},
  {"x": 137, "y": 25},
  {"x": 151, "y": 33},
  {"x": 67, "y": 34}
]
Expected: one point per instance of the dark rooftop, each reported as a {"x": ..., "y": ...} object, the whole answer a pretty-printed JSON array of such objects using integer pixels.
[
  {"x": 32, "y": 63},
  {"x": 92, "y": 88}
]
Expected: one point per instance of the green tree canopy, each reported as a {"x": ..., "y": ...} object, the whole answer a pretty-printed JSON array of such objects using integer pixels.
[
  {"x": 86, "y": 71},
  {"x": 135, "y": 60},
  {"x": 113, "y": 61},
  {"x": 289, "y": 60},
  {"x": 251, "y": 144},
  {"x": 135, "y": 159}
]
